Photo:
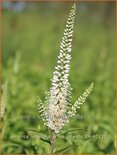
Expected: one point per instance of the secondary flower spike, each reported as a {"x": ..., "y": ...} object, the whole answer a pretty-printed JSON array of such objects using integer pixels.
[{"x": 60, "y": 109}]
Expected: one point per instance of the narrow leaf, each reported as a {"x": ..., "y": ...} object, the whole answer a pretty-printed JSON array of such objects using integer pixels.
[
  {"x": 65, "y": 149},
  {"x": 70, "y": 130},
  {"x": 45, "y": 140}
]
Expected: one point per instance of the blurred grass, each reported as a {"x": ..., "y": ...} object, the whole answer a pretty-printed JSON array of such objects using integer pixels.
[{"x": 30, "y": 46}]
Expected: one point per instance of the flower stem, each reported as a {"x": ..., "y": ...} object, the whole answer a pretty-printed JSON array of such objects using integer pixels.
[{"x": 53, "y": 138}]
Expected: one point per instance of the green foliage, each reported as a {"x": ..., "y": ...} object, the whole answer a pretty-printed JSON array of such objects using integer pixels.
[{"x": 29, "y": 53}]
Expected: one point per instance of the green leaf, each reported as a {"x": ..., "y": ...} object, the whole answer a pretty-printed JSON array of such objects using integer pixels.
[
  {"x": 107, "y": 128},
  {"x": 43, "y": 137},
  {"x": 34, "y": 130},
  {"x": 9, "y": 145},
  {"x": 17, "y": 142},
  {"x": 46, "y": 140},
  {"x": 65, "y": 149},
  {"x": 29, "y": 150},
  {"x": 71, "y": 130}
]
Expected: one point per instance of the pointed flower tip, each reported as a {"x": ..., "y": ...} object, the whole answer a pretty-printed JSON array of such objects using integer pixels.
[
  {"x": 92, "y": 85},
  {"x": 74, "y": 6}
]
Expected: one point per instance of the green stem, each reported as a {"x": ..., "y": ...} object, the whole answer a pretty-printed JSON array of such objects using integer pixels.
[{"x": 53, "y": 138}]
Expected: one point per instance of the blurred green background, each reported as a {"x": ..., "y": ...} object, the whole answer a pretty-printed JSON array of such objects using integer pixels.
[{"x": 31, "y": 36}]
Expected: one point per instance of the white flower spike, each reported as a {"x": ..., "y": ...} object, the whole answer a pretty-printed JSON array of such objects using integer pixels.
[{"x": 60, "y": 109}]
